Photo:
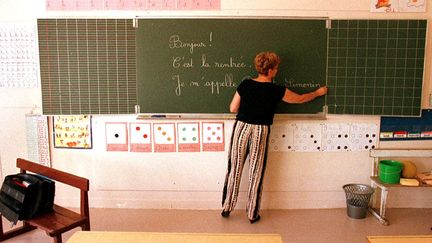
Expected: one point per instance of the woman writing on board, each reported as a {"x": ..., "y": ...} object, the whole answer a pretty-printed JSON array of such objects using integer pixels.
[{"x": 255, "y": 104}]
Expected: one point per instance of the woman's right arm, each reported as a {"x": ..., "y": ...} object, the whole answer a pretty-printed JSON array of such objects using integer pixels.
[
  {"x": 294, "y": 98},
  {"x": 235, "y": 103}
]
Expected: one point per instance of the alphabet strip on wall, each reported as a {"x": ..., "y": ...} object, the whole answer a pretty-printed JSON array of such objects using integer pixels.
[{"x": 127, "y": 5}]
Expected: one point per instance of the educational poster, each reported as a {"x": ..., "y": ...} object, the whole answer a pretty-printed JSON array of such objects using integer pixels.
[
  {"x": 72, "y": 132},
  {"x": 188, "y": 137},
  {"x": 391, "y": 6},
  {"x": 138, "y": 5},
  {"x": 140, "y": 137},
  {"x": 281, "y": 138},
  {"x": 19, "y": 58},
  {"x": 213, "y": 136},
  {"x": 116, "y": 135},
  {"x": 164, "y": 137},
  {"x": 307, "y": 137}
]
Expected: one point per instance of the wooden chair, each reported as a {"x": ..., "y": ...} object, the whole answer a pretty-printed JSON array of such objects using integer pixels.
[{"x": 61, "y": 219}]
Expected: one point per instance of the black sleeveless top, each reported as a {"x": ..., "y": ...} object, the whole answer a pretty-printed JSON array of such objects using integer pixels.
[{"x": 258, "y": 101}]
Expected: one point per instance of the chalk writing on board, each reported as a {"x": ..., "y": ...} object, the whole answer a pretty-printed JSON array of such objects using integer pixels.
[
  {"x": 197, "y": 58},
  {"x": 175, "y": 43},
  {"x": 214, "y": 85},
  {"x": 291, "y": 83}
]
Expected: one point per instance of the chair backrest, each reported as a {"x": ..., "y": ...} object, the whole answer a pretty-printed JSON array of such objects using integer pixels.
[{"x": 57, "y": 175}]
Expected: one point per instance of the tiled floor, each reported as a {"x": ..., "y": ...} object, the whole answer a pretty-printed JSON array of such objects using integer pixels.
[{"x": 317, "y": 225}]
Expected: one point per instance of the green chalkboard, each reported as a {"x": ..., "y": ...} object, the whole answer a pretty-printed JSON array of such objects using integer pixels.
[
  {"x": 107, "y": 66},
  {"x": 195, "y": 65}
]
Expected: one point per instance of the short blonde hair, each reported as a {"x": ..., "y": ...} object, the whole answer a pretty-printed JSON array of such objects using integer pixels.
[{"x": 265, "y": 61}]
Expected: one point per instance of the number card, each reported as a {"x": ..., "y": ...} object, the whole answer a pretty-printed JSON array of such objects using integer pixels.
[
  {"x": 164, "y": 139},
  {"x": 336, "y": 137},
  {"x": 213, "y": 136},
  {"x": 282, "y": 138},
  {"x": 364, "y": 136},
  {"x": 116, "y": 136},
  {"x": 307, "y": 137},
  {"x": 188, "y": 137},
  {"x": 140, "y": 137}
]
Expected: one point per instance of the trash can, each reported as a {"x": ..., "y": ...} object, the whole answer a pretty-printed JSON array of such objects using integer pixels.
[{"x": 357, "y": 198}]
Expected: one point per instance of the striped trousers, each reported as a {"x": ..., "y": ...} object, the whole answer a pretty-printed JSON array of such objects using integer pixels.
[{"x": 246, "y": 140}]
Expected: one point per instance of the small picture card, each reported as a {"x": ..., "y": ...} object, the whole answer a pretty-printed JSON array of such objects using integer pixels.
[
  {"x": 140, "y": 137},
  {"x": 213, "y": 137},
  {"x": 400, "y": 134},
  {"x": 384, "y": 6},
  {"x": 116, "y": 135},
  {"x": 72, "y": 132},
  {"x": 393, "y": 6},
  {"x": 188, "y": 137},
  {"x": 426, "y": 134},
  {"x": 164, "y": 138}
]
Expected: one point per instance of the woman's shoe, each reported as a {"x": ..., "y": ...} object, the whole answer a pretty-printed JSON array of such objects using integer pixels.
[
  {"x": 255, "y": 219},
  {"x": 225, "y": 214}
]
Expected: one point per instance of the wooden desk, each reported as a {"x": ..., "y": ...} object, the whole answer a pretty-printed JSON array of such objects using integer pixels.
[
  {"x": 400, "y": 239},
  {"x": 151, "y": 237}
]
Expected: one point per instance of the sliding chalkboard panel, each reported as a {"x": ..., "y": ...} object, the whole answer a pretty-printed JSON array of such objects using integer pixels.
[
  {"x": 375, "y": 67},
  {"x": 195, "y": 65},
  {"x": 88, "y": 66}
]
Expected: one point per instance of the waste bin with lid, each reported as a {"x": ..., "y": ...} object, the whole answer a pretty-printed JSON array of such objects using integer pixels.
[{"x": 357, "y": 198}]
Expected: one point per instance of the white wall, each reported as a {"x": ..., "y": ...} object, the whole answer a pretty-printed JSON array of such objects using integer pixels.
[{"x": 195, "y": 180}]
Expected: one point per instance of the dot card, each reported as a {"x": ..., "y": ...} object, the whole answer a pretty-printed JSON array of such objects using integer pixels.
[
  {"x": 281, "y": 138},
  {"x": 164, "y": 139},
  {"x": 116, "y": 136},
  {"x": 364, "y": 136},
  {"x": 188, "y": 135},
  {"x": 307, "y": 137},
  {"x": 213, "y": 136},
  {"x": 336, "y": 137},
  {"x": 140, "y": 137}
]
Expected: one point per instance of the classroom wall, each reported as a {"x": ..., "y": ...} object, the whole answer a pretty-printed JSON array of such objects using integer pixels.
[{"x": 195, "y": 180}]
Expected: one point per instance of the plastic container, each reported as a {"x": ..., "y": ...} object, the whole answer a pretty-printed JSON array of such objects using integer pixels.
[
  {"x": 390, "y": 171},
  {"x": 357, "y": 198}
]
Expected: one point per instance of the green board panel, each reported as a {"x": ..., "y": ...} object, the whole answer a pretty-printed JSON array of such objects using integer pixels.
[
  {"x": 195, "y": 65},
  {"x": 88, "y": 66},
  {"x": 375, "y": 67}
]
